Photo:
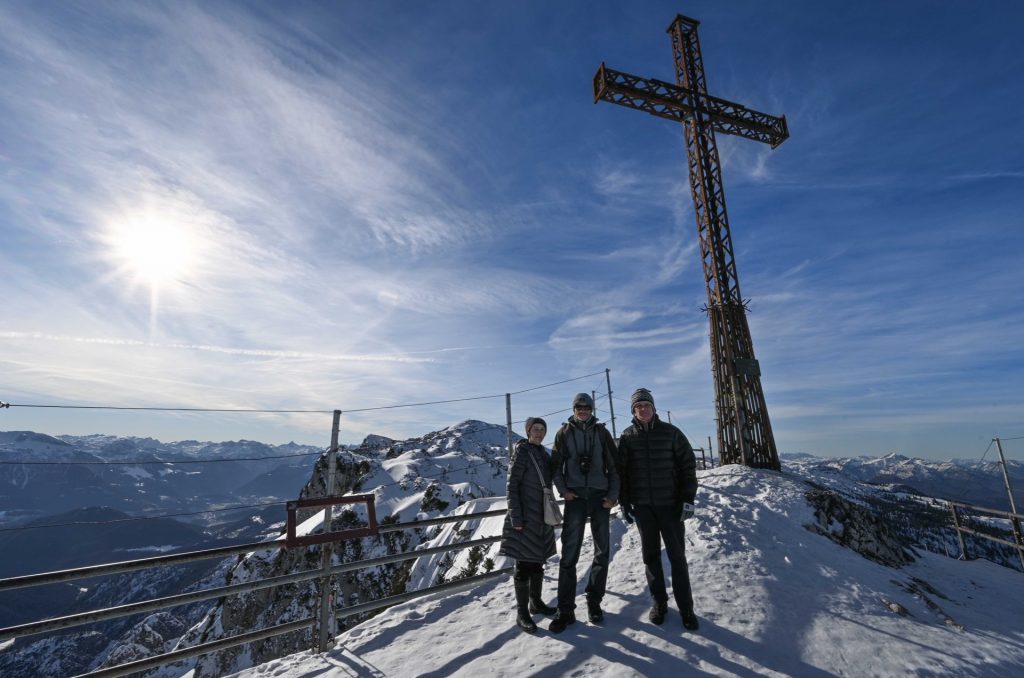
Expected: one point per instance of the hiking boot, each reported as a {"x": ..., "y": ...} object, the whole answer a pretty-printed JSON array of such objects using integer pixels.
[
  {"x": 690, "y": 622},
  {"x": 594, "y": 612},
  {"x": 562, "y": 620},
  {"x": 657, "y": 613}
]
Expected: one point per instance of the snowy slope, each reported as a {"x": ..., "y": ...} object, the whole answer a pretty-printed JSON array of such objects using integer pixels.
[{"x": 774, "y": 598}]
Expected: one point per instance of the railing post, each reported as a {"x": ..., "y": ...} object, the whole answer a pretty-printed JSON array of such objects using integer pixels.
[
  {"x": 327, "y": 617},
  {"x": 1014, "y": 521},
  {"x": 711, "y": 452},
  {"x": 959, "y": 535},
  {"x": 611, "y": 405},
  {"x": 508, "y": 424}
]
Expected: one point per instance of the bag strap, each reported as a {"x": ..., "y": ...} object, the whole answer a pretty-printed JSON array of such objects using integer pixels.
[{"x": 537, "y": 467}]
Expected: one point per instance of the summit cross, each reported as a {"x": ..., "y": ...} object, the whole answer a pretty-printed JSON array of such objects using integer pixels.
[{"x": 744, "y": 430}]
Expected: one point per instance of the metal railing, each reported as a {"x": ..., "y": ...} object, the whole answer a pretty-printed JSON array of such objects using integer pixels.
[
  {"x": 109, "y": 613},
  {"x": 961, "y": 530}
]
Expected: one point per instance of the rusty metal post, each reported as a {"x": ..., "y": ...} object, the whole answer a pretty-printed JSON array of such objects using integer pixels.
[
  {"x": 611, "y": 405},
  {"x": 711, "y": 451},
  {"x": 1015, "y": 522},
  {"x": 327, "y": 602},
  {"x": 959, "y": 535}
]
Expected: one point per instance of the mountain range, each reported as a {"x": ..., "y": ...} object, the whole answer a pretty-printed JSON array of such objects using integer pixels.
[{"x": 453, "y": 469}]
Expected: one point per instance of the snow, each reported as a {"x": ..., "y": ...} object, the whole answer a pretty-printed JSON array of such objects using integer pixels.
[
  {"x": 774, "y": 599},
  {"x": 137, "y": 472},
  {"x": 146, "y": 549}
]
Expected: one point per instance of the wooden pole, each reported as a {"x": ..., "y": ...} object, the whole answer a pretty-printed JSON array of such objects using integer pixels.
[
  {"x": 959, "y": 534},
  {"x": 508, "y": 424},
  {"x": 326, "y": 641},
  {"x": 611, "y": 405},
  {"x": 1014, "y": 521}
]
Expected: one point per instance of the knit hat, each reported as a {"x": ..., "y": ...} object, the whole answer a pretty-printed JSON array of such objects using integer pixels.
[
  {"x": 584, "y": 400},
  {"x": 639, "y": 396},
  {"x": 530, "y": 421}
]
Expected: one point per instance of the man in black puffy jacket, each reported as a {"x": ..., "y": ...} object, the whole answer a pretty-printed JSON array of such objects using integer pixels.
[{"x": 659, "y": 484}]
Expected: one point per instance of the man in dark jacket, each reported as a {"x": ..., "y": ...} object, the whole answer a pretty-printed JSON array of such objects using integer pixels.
[
  {"x": 659, "y": 485},
  {"x": 585, "y": 471}
]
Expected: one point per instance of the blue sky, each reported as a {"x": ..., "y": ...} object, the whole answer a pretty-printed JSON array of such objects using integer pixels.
[{"x": 348, "y": 205}]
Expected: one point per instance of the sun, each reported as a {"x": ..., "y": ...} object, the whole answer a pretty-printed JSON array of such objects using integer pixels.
[
  {"x": 154, "y": 250},
  {"x": 161, "y": 250}
]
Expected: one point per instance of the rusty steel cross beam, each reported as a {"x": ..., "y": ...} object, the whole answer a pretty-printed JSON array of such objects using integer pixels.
[
  {"x": 674, "y": 103},
  {"x": 744, "y": 429}
]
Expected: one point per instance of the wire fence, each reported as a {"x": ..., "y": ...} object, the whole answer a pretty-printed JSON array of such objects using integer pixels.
[{"x": 149, "y": 461}]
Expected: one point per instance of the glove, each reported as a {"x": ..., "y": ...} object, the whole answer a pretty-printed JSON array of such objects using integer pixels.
[
  {"x": 627, "y": 513},
  {"x": 686, "y": 512}
]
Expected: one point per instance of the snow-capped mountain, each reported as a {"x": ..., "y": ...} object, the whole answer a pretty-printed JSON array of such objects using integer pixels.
[
  {"x": 427, "y": 476},
  {"x": 463, "y": 469},
  {"x": 43, "y": 487},
  {"x": 970, "y": 481}
]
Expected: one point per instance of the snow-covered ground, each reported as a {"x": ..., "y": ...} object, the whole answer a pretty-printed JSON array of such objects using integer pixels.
[{"x": 774, "y": 599}]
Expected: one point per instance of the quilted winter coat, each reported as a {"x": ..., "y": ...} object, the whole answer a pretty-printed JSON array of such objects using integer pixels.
[{"x": 536, "y": 542}]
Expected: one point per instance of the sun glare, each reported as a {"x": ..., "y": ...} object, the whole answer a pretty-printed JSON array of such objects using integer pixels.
[{"x": 153, "y": 250}]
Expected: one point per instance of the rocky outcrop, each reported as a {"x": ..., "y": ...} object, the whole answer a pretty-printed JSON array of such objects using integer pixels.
[
  {"x": 417, "y": 477},
  {"x": 857, "y": 528},
  {"x": 156, "y": 634}
]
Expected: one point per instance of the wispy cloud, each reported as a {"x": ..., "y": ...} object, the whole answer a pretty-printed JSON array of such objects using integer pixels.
[{"x": 382, "y": 206}]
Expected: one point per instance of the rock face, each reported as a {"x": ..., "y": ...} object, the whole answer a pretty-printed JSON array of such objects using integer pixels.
[
  {"x": 419, "y": 477},
  {"x": 857, "y": 528},
  {"x": 156, "y": 634},
  {"x": 118, "y": 640}
]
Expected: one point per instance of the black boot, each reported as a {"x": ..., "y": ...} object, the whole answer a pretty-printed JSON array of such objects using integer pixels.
[
  {"x": 657, "y": 613},
  {"x": 690, "y": 622},
  {"x": 523, "y": 619},
  {"x": 561, "y": 620},
  {"x": 594, "y": 612},
  {"x": 537, "y": 605}
]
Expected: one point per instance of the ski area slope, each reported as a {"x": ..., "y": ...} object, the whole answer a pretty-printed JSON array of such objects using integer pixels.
[{"x": 774, "y": 599}]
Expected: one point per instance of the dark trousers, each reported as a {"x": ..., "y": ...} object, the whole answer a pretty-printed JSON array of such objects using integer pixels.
[
  {"x": 574, "y": 518},
  {"x": 657, "y": 524}
]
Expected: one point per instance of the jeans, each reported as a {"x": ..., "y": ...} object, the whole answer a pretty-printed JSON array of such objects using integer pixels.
[
  {"x": 658, "y": 523},
  {"x": 574, "y": 519}
]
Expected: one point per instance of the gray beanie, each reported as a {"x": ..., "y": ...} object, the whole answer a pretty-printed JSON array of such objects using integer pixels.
[
  {"x": 583, "y": 399},
  {"x": 640, "y": 395},
  {"x": 530, "y": 421}
]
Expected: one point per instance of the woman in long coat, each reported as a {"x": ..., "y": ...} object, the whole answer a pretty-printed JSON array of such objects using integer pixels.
[{"x": 525, "y": 536}]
